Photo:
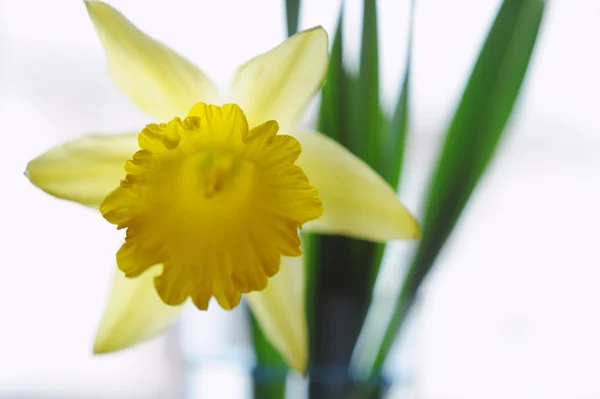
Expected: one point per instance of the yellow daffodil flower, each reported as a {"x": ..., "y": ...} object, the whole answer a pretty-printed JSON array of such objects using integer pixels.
[{"x": 213, "y": 197}]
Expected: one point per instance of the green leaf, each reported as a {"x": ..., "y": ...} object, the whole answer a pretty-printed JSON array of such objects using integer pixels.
[
  {"x": 370, "y": 132},
  {"x": 332, "y": 122},
  {"x": 269, "y": 376},
  {"x": 332, "y": 113},
  {"x": 470, "y": 143},
  {"x": 292, "y": 13},
  {"x": 329, "y": 122},
  {"x": 367, "y": 140},
  {"x": 395, "y": 142},
  {"x": 338, "y": 268}
]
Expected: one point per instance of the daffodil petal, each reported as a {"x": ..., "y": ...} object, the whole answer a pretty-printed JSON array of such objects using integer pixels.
[
  {"x": 357, "y": 201},
  {"x": 280, "y": 311},
  {"x": 156, "y": 79},
  {"x": 278, "y": 84},
  {"x": 84, "y": 170},
  {"x": 134, "y": 312}
]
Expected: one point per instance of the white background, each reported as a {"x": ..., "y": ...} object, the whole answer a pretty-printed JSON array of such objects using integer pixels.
[{"x": 512, "y": 308}]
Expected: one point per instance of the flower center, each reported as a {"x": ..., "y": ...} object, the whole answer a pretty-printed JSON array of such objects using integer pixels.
[
  {"x": 214, "y": 169},
  {"x": 215, "y": 203}
]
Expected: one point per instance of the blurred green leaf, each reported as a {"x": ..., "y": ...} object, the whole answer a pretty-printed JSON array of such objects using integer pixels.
[
  {"x": 368, "y": 142},
  {"x": 470, "y": 142},
  {"x": 334, "y": 95},
  {"x": 332, "y": 122},
  {"x": 292, "y": 13},
  {"x": 338, "y": 267},
  {"x": 395, "y": 140},
  {"x": 270, "y": 374},
  {"x": 370, "y": 132}
]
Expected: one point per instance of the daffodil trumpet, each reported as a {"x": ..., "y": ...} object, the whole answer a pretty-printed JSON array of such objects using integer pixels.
[{"x": 213, "y": 196}]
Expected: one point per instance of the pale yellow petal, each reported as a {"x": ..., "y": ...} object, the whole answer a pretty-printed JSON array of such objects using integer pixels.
[
  {"x": 156, "y": 79},
  {"x": 357, "y": 201},
  {"x": 134, "y": 312},
  {"x": 279, "y": 84},
  {"x": 84, "y": 170},
  {"x": 280, "y": 311}
]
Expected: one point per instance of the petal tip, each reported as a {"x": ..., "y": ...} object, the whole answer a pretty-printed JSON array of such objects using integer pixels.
[
  {"x": 30, "y": 169},
  {"x": 105, "y": 343},
  {"x": 97, "y": 11},
  {"x": 90, "y": 4},
  {"x": 413, "y": 232},
  {"x": 100, "y": 347},
  {"x": 319, "y": 30},
  {"x": 417, "y": 234},
  {"x": 301, "y": 367}
]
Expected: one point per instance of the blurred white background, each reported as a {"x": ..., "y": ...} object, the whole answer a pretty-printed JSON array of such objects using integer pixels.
[{"x": 511, "y": 310}]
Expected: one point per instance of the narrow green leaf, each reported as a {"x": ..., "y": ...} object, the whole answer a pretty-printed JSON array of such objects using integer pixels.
[
  {"x": 470, "y": 142},
  {"x": 366, "y": 139},
  {"x": 332, "y": 118},
  {"x": 396, "y": 134},
  {"x": 292, "y": 13},
  {"x": 394, "y": 141},
  {"x": 332, "y": 122},
  {"x": 337, "y": 267},
  {"x": 370, "y": 132},
  {"x": 269, "y": 376}
]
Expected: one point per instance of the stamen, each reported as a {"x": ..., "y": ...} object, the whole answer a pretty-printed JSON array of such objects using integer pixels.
[{"x": 216, "y": 168}]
